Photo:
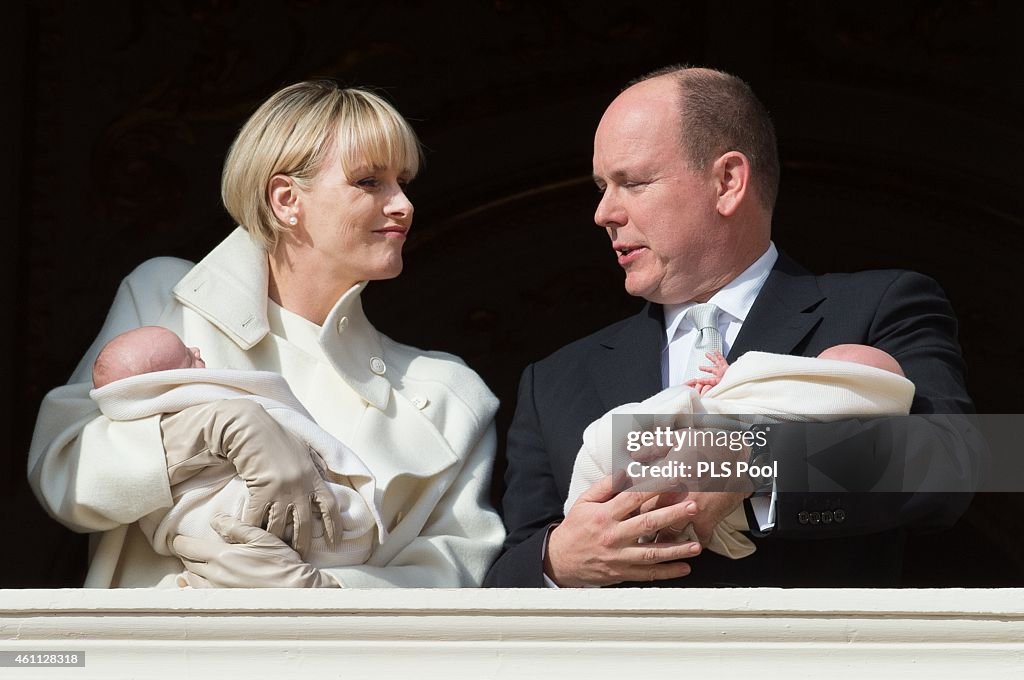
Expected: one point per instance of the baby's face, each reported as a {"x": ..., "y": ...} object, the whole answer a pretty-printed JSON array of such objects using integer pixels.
[
  {"x": 192, "y": 358},
  {"x": 168, "y": 352},
  {"x": 143, "y": 350}
]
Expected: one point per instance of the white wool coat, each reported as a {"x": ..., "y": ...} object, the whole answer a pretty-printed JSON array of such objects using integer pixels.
[{"x": 423, "y": 422}]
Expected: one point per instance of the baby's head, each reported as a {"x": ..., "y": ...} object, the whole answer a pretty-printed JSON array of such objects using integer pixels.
[
  {"x": 143, "y": 350},
  {"x": 865, "y": 355}
]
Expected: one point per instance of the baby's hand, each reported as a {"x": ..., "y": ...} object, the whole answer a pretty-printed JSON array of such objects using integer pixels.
[{"x": 716, "y": 369}]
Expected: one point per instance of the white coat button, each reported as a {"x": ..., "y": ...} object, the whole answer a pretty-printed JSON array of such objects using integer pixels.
[
  {"x": 377, "y": 365},
  {"x": 420, "y": 402},
  {"x": 342, "y": 324}
]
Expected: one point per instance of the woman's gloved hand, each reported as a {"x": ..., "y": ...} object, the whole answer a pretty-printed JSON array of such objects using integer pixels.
[
  {"x": 249, "y": 558},
  {"x": 277, "y": 467}
]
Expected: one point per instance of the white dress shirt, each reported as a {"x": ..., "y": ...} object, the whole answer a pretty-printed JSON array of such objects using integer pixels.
[{"x": 734, "y": 301}]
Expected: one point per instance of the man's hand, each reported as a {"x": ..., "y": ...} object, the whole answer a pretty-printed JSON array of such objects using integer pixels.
[
  {"x": 284, "y": 485},
  {"x": 249, "y": 558},
  {"x": 596, "y": 543},
  {"x": 712, "y": 508},
  {"x": 715, "y": 498}
]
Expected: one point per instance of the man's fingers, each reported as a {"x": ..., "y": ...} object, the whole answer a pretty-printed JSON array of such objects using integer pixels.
[
  {"x": 676, "y": 535},
  {"x": 670, "y": 498},
  {"x": 664, "y": 500},
  {"x": 603, "y": 489},
  {"x": 703, "y": 531},
  {"x": 656, "y": 553},
  {"x": 658, "y": 572},
  {"x": 704, "y": 536},
  {"x": 659, "y": 485},
  {"x": 677, "y": 515},
  {"x": 658, "y": 561},
  {"x": 629, "y": 501},
  {"x": 672, "y": 570}
]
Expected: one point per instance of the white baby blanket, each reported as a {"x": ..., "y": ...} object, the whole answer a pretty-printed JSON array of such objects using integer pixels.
[
  {"x": 219, "y": 489},
  {"x": 759, "y": 387}
]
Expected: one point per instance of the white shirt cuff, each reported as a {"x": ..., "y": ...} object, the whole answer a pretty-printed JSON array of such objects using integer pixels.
[{"x": 763, "y": 506}]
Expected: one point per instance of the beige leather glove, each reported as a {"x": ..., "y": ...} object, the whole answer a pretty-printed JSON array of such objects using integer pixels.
[
  {"x": 251, "y": 558},
  {"x": 277, "y": 467}
]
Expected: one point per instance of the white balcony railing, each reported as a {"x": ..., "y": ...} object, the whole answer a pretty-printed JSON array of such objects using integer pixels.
[{"x": 672, "y": 634}]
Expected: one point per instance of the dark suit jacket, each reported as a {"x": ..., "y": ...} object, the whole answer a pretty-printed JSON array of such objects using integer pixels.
[{"x": 903, "y": 313}]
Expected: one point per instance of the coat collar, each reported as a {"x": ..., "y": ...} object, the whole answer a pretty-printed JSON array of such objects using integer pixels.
[{"x": 229, "y": 289}]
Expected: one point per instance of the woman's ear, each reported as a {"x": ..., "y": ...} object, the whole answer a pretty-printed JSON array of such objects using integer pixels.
[
  {"x": 284, "y": 199},
  {"x": 732, "y": 176}
]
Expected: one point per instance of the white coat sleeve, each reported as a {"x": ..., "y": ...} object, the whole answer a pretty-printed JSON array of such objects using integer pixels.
[
  {"x": 91, "y": 473},
  {"x": 459, "y": 541}
]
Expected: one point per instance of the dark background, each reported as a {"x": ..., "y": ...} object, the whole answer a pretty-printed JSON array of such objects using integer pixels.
[{"x": 899, "y": 123}]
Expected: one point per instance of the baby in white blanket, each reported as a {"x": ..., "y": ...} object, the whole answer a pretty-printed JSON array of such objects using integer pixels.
[
  {"x": 150, "y": 371},
  {"x": 845, "y": 380}
]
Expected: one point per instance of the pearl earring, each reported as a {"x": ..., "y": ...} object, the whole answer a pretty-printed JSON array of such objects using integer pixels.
[{"x": 293, "y": 220}]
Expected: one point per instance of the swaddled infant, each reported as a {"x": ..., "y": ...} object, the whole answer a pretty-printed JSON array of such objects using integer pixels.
[
  {"x": 845, "y": 380},
  {"x": 215, "y": 420}
]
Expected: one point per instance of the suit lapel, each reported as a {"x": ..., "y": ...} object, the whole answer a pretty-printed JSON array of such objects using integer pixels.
[
  {"x": 783, "y": 314},
  {"x": 626, "y": 367}
]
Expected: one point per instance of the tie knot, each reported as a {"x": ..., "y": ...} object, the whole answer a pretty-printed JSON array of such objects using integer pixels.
[{"x": 703, "y": 316}]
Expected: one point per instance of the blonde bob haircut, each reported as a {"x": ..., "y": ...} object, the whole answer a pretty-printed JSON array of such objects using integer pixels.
[{"x": 294, "y": 131}]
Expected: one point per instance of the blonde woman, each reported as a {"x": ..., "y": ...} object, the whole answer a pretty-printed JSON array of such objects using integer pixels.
[{"x": 316, "y": 180}]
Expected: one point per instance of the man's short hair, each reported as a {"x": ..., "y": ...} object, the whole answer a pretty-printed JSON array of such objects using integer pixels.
[{"x": 721, "y": 113}]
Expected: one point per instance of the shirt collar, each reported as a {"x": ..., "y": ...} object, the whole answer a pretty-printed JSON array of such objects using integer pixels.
[{"x": 735, "y": 299}]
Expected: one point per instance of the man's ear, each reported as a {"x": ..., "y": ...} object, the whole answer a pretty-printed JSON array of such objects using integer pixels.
[
  {"x": 732, "y": 178},
  {"x": 284, "y": 198}
]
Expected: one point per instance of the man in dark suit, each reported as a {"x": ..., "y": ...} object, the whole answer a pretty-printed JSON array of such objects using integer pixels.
[{"x": 686, "y": 160}]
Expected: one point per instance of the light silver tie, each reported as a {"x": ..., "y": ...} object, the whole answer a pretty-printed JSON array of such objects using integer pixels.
[{"x": 709, "y": 339}]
